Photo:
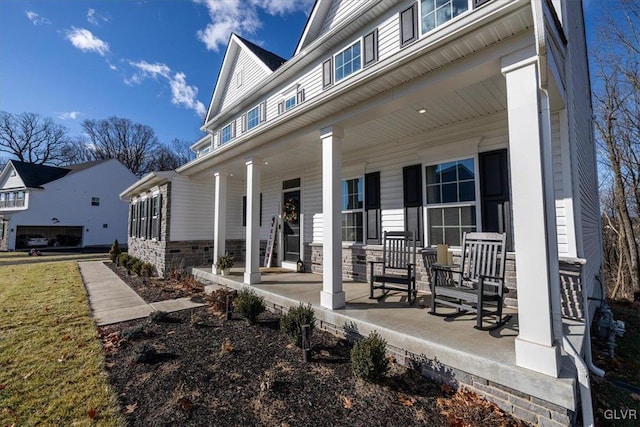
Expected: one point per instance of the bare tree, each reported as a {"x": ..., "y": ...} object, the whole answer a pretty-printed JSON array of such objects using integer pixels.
[
  {"x": 32, "y": 138},
  {"x": 617, "y": 123},
  {"x": 172, "y": 156},
  {"x": 133, "y": 144}
]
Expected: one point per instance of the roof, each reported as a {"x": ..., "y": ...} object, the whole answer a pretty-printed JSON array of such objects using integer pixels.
[
  {"x": 151, "y": 179},
  {"x": 35, "y": 175},
  {"x": 270, "y": 59}
]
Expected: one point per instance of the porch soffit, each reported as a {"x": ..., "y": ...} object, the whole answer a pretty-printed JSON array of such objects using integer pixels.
[{"x": 412, "y": 77}]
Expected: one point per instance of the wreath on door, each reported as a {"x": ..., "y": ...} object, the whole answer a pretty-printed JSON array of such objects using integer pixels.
[{"x": 289, "y": 211}]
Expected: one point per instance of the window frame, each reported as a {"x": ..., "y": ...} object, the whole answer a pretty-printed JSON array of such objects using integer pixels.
[
  {"x": 155, "y": 217},
  {"x": 421, "y": 32},
  {"x": 95, "y": 201},
  {"x": 255, "y": 109},
  {"x": 334, "y": 65},
  {"x": 360, "y": 210},
  {"x": 286, "y": 100},
  {"x": 475, "y": 204},
  {"x": 222, "y": 133}
]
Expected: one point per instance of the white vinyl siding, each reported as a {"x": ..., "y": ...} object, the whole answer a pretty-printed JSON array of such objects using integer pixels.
[
  {"x": 340, "y": 9},
  {"x": 558, "y": 187},
  {"x": 252, "y": 74},
  {"x": 191, "y": 210}
]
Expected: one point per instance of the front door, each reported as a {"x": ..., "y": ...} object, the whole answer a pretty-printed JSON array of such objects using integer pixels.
[{"x": 291, "y": 220}]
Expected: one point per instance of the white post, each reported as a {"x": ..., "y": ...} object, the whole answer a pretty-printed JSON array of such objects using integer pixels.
[
  {"x": 252, "y": 259},
  {"x": 332, "y": 295},
  {"x": 535, "y": 232},
  {"x": 220, "y": 218}
]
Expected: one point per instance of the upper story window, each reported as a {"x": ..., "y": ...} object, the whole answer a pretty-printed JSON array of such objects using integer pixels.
[
  {"x": 226, "y": 134},
  {"x": 348, "y": 61},
  {"x": 95, "y": 201},
  {"x": 253, "y": 117},
  {"x": 451, "y": 201},
  {"x": 291, "y": 98},
  {"x": 434, "y": 13},
  {"x": 353, "y": 210},
  {"x": 12, "y": 199}
]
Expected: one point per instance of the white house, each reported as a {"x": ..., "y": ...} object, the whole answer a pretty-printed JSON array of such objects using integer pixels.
[
  {"x": 75, "y": 205},
  {"x": 437, "y": 116}
]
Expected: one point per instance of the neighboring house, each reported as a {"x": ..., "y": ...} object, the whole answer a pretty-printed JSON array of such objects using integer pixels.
[
  {"x": 75, "y": 205},
  {"x": 434, "y": 116}
]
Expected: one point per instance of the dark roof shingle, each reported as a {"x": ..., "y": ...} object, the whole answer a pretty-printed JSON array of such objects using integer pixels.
[
  {"x": 35, "y": 176},
  {"x": 272, "y": 60}
]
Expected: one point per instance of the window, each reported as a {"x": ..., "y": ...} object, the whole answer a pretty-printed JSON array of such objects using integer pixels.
[
  {"x": 20, "y": 199},
  {"x": 352, "y": 210},
  {"x": 3, "y": 200},
  {"x": 95, "y": 201},
  {"x": 12, "y": 200},
  {"x": 434, "y": 13},
  {"x": 226, "y": 134},
  {"x": 289, "y": 103},
  {"x": 451, "y": 201},
  {"x": 348, "y": 61},
  {"x": 143, "y": 217},
  {"x": 253, "y": 118}
]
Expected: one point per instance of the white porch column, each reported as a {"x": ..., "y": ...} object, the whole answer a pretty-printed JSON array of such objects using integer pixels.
[
  {"x": 252, "y": 258},
  {"x": 534, "y": 222},
  {"x": 220, "y": 216},
  {"x": 332, "y": 295}
]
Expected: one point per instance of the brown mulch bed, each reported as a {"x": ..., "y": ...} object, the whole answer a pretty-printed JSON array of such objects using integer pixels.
[
  {"x": 210, "y": 371},
  {"x": 154, "y": 289}
]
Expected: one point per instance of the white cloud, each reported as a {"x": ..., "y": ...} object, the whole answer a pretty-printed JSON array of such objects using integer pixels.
[
  {"x": 35, "y": 18},
  {"x": 181, "y": 93},
  {"x": 84, "y": 40},
  {"x": 71, "y": 115},
  {"x": 242, "y": 17},
  {"x": 95, "y": 18}
]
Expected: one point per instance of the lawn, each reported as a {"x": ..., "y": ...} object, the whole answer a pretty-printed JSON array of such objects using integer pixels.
[
  {"x": 51, "y": 364},
  {"x": 12, "y": 258}
]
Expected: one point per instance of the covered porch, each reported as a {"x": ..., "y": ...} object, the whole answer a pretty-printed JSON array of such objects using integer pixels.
[{"x": 445, "y": 349}]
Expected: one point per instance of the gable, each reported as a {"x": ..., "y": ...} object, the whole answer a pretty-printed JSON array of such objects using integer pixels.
[
  {"x": 10, "y": 179},
  {"x": 243, "y": 67},
  {"x": 326, "y": 15}
]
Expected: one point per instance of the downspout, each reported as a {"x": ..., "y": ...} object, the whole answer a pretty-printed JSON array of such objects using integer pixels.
[{"x": 537, "y": 8}]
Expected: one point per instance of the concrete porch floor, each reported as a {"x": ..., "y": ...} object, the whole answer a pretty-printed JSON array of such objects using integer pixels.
[{"x": 411, "y": 331}]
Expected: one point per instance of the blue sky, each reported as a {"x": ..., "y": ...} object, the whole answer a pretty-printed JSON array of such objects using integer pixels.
[{"x": 154, "y": 62}]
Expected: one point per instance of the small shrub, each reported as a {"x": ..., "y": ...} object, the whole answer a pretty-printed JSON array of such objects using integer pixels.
[
  {"x": 249, "y": 305},
  {"x": 144, "y": 353},
  {"x": 147, "y": 269},
  {"x": 133, "y": 333},
  {"x": 136, "y": 267},
  {"x": 368, "y": 358},
  {"x": 130, "y": 263},
  {"x": 224, "y": 261},
  {"x": 123, "y": 259},
  {"x": 115, "y": 251},
  {"x": 291, "y": 323},
  {"x": 159, "y": 317},
  {"x": 218, "y": 299}
]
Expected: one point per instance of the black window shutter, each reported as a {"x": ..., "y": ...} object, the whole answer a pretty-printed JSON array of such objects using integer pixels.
[
  {"x": 372, "y": 207},
  {"x": 263, "y": 111},
  {"x": 138, "y": 218},
  {"x": 131, "y": 220},
  {"x": 327, "y": 73},
  {"x": 409, "y": 25},
  {"x": 260, "y": 217},
  {"x": 244, "y": 211},
  {"x": 280, "y": 107},
  {"x": 159, "y": 224},
  {"x": 243, "y": 121},
  {"x": 148, "y": 228},
  {"x": 300, "y": 96},
  {"x": 494, "y": 194},
  {"x": 371, "y": 48},
  {"x": 412, "y": 178},
  {"x": 412, "y": 188}
]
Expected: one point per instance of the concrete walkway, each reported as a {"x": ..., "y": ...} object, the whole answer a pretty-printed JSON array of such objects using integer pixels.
[{"x": 113, "y": 301}]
